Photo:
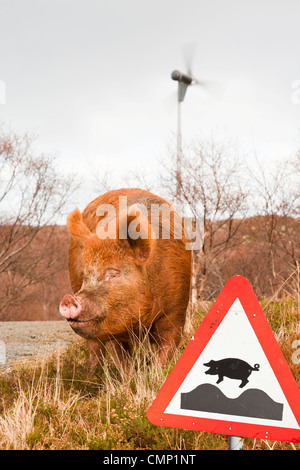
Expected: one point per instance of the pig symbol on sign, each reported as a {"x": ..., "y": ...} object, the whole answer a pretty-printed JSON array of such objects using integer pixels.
[{"x": 232, "y": 368}]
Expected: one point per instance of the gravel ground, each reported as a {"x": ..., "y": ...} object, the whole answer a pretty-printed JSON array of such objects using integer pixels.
[{"x": 29, "y": 339}]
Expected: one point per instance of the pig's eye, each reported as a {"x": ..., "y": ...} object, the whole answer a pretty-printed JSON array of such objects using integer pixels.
[{"x": 111, "y": 274}]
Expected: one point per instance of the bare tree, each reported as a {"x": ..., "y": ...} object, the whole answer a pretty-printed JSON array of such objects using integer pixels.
[
  {"x": 276, "y": 197},
  {"x": 105, "y": 179},
  {"x": 250, "y": 217},
  {"x": 212, "y": 185},
  {"x": 32, "y": 195}
]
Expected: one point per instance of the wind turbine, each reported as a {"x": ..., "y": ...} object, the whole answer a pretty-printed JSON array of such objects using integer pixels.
[{"x": 184, "y": 81}]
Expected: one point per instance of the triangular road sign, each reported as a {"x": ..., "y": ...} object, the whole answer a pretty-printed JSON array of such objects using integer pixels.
[{"x": 232, "y": 377}]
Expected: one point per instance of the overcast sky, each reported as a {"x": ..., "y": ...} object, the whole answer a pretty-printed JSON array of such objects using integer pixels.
[{"x": 92, "y": 77}]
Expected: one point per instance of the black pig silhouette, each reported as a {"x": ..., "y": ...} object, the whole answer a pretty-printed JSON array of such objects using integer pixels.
[{"x": 232, "y": 368}]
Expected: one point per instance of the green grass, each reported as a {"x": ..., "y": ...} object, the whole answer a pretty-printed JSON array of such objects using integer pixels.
[{"x": 56, "y": 403}]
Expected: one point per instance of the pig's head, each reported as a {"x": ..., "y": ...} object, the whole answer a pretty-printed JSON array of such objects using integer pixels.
[
  {"x": 115, "y": 290},
  {"x": 213, "y": 368}
]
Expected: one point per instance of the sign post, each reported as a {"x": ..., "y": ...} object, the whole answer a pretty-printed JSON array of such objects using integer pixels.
[
  {"x": 232, "y": 377},
  {"x": 236, "y": 443}
]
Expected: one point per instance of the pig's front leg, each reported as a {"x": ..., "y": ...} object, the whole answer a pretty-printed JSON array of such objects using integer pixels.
[
  {"x": 120, "y": 353},
  {"x": 167, "y": 337},
  {"x": 96, "y": 353}
]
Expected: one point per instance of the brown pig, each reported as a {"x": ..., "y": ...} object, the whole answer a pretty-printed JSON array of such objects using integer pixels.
[{"x": 131, "y": 282}]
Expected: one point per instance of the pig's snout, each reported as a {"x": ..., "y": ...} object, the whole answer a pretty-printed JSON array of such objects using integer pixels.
[{"x": 69, "y": 307}]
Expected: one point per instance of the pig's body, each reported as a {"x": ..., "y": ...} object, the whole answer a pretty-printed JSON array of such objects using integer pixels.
[
  {"x": 232, "y": 368},
  {"x": 124, "y": 287}
]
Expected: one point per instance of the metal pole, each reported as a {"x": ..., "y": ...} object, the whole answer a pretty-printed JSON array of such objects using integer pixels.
[
  {"x": 179, "y": 152},
  {"x": 236, "y": 443}
]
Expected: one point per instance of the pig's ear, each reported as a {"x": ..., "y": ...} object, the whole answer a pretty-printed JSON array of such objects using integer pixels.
[
  {"x": 134, "y": 229},
  {"x": 77, "y": 228}
]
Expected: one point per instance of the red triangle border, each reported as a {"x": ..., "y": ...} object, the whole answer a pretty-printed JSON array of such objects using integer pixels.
[{"x": 236, "y": 287}]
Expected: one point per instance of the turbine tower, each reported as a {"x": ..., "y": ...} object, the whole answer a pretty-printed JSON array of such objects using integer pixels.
[{"x": 184, "y": 81}]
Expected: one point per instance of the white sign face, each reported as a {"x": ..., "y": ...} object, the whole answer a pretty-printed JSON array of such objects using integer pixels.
[{"x": 232, "y": 379}]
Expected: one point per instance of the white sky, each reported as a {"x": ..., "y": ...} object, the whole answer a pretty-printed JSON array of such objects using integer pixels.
[{"x": 92, "y": 77}]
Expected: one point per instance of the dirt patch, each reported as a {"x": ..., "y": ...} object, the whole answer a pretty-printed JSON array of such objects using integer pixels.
[{"x": 29, "y": 339}]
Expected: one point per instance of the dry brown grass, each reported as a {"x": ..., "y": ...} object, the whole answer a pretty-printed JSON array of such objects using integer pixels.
[{"x": 56, "y": 403}]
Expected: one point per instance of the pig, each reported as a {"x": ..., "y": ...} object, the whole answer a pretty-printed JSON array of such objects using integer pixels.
[
  {"x": 232, "y": 368},
  {"x": 125, "y": 287}
]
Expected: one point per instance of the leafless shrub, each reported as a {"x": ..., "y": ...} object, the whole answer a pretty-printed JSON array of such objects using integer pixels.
[
  {"x": 276, "y": 197},
  {"x": 32, "y": 195},
  {"x": 211, "y": 182}
]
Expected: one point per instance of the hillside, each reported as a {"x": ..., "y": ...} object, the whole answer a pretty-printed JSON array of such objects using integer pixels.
[
  {"x": 265, "y": 250},
  {"x": 45, "y": 263}
]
